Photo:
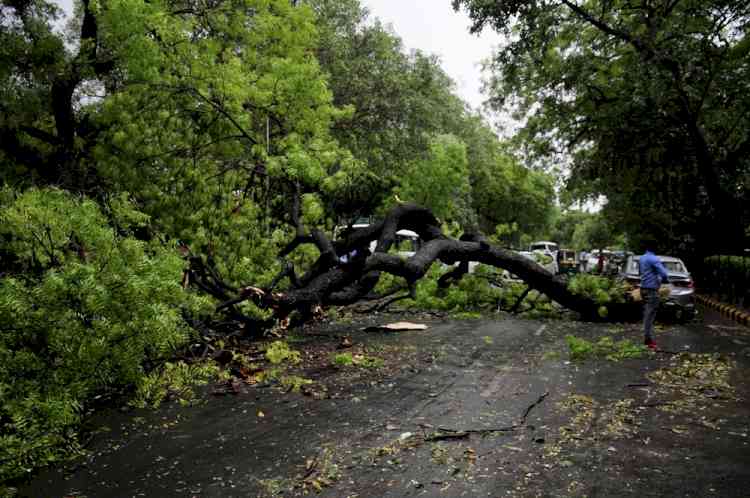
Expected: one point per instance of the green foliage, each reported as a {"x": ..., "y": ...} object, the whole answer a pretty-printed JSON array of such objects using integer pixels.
[
  {"x": 398, "y": 102},
  {"x": 605, "y": 347},
  {"x": 175, "y": 381},
  {"x": 615, "y": 84},
  {"x": 294, "y": 383},
  {"x": 509, "y": 199},
  {"x": 82, "y": 307},
  {"x": 541, "y": 258},
  {"x": 601, "y": 290},
  {"x": 728, "y": 276},
  {"x": 203, "y": 119},
  {"x": 468, "y": 315},
  {"x": 440, "y": 180},
  {"x": 472, "y": 292},
  {"x": 348, "y": 359},
  {"x": 369, "y": 361},
  {"x": 198, "y": 125},
  {"x": 343, "y": 359},
  {"x": 279, "y": 352},
  {"x": 595, "y": 232}
]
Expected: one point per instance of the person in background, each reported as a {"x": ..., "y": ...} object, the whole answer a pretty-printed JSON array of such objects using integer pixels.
[
  {"x": 583, "y": 258},
  {"x": 653, "y": 274}
]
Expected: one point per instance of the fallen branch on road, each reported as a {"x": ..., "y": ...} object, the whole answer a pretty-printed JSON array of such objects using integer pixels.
[{"x": 446, "y": 433}]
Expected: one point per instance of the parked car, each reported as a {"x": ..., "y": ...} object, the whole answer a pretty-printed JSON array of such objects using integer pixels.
[
  {"x": 544, "y": 259},
  {"x": 680, "y": 303}
]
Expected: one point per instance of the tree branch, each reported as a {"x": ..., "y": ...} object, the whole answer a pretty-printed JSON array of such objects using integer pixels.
[{"x": 606, "y": 28}]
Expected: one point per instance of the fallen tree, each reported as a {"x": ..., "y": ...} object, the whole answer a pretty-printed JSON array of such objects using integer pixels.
[{"x": 346, "y": 271}]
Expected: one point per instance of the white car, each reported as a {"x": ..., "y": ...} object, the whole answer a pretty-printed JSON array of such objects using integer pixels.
[
  {"x": 534, "y": 256},
  {"x": 407, "y": 241},
  {"x": 544, "y": 246},
  {"x": 547, "y": 248}
]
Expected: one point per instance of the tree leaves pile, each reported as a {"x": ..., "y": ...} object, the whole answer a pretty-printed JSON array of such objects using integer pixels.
[{"x": 84, "y": 305}]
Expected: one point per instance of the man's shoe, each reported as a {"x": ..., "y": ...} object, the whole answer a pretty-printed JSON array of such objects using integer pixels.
[{"x": 650, "y": 344}]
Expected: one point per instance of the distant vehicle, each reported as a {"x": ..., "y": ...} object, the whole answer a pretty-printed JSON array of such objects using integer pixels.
[
  {"x": 544, "y": 259},
  {"x": 549, "y": 249},
  {"x": 618, "y": 259},
  {"x": 407, "y": 242},
  {"x": 680, "y": 303},
  {"x": 567, "y": 261},
  {"x": 592, "y": 265},
  {"x": 544, "y": 246}
]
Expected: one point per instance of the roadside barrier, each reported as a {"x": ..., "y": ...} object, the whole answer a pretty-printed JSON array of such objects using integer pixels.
[{"x": 728, "y": 310}]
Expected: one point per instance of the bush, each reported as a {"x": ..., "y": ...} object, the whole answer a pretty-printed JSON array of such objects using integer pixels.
[
  {"x": 729, "y": 275},
  {"x": 279, "y": 352},
  {"x": 360, "y": 360},
  {"x": 173, "y": 380},
  {"x": 605, "y": 347},
  {"x": 602, "y": 290},
  {"x": 472, "y": 293},
  {"x": 83, "y": 306}
]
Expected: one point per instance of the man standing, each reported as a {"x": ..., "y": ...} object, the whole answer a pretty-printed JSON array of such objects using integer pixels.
[{"x": 653, "y": 275}]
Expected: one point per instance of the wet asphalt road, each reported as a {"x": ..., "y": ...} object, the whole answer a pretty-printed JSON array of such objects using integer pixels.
[{"x": 374, "y": 436}]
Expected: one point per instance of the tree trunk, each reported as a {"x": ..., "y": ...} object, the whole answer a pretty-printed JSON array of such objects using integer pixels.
[{"x": 332, "y": 282}]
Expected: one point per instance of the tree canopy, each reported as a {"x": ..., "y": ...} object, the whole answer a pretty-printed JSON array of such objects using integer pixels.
[
  {"x": 161, "y": 159},
  {"x": 649, "y": 100}
]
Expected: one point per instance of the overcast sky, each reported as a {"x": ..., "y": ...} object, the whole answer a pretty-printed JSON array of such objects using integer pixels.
[{"x": 433, "y": 27}]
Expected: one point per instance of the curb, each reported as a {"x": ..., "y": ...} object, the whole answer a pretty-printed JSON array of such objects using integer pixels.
[{"x": 725, "y": 309}]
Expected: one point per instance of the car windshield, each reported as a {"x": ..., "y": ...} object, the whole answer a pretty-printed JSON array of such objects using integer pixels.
[
  {"x": 674, "y": 266},
  {"x": 634, "y": 267},
  {"x": 543, "y": 247},
  {"x": 670, "y": 266}
]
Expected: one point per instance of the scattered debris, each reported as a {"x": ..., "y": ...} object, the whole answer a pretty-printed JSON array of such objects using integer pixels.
[{"x": 396, "y": 327}]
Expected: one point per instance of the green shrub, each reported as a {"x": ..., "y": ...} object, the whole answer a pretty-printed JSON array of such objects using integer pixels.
[
  {"x": 364, "y": 361},
  {"x": 83, "y": 305},
  {"x": 343, "y": 359},
  {"x": 580, "y": 349},
  {"x": 602, "y": 290},
  {"x": 294, "y": 383},
  {"x": 173, "y": 380},
  {"x": 369, "y": 361},
  {"x": 279, "y": 351},
  {"x": 727, "y": 275},
  {"x": 605, "y": 347},
  {"x": 472, "y": 293}
]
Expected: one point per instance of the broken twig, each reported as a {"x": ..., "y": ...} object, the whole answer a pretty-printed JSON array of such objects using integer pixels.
[{"x": 531, "y": 407}]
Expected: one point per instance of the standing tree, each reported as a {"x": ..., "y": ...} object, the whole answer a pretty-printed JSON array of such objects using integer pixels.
[{"x": 650, "y": 99}]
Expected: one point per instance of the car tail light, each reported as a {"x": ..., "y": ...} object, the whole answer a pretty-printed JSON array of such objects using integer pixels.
[{"x": 683, "y": 283}]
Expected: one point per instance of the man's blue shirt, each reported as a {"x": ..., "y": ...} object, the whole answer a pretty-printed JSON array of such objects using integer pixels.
[{"x": 652, "y": 271}]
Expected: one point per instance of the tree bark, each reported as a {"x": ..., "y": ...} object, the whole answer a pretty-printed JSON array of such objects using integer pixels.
[{"x": 333, "y": 282}]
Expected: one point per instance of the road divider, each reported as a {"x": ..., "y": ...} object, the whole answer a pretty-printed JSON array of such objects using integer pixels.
[{"x": 728, "y": 310}]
